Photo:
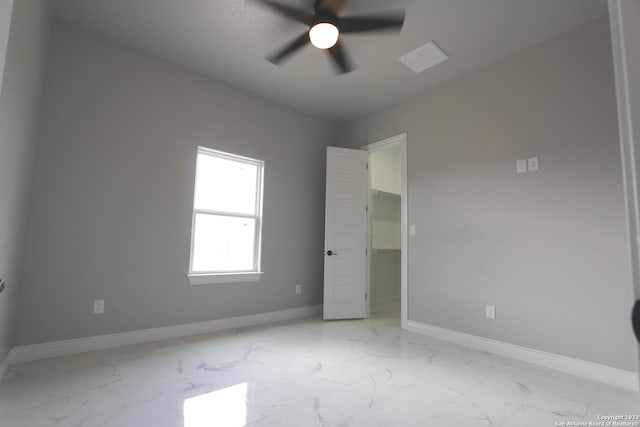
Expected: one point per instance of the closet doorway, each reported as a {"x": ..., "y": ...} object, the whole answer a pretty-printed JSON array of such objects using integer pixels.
[{"x": 387, "y": 286}]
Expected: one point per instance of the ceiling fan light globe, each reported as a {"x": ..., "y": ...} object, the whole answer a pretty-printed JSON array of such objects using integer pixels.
[{"x": 324, "y": 35}]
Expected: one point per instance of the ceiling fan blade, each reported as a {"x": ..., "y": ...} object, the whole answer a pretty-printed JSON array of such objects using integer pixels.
[
  {"x": 341, "y": 59},
  {"x": 289, "y": 49},
  {"x": 360, "y": 24},
  {"x": 288, "y": 11}
]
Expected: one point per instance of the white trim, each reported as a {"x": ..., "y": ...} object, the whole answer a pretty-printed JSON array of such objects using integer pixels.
[
  {"x": 29, "y": 353},
  {"x": 569, "y": 365},
  {"x": 4, "y": 367},
  {"x": 211, "y": 279},
  {"x": 400, "y": 141},
  {"x": 628, "y": 141},
  {"x": 227, "y": 214}
]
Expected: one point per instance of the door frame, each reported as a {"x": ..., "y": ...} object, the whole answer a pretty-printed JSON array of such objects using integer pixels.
[
  {"x": 628, "y": 127},
  {"x": 401, "y": 142}
]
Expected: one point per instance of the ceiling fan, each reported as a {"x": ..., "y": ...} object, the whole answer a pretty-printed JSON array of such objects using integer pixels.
[{"x": 326, "y": 27}]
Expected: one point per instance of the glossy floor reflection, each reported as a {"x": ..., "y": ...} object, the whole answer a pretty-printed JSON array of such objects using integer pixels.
[{"x": 301, "y": 373}]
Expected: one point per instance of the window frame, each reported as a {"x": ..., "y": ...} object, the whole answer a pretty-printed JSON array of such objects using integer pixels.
[{"x": 230, "y": 276}]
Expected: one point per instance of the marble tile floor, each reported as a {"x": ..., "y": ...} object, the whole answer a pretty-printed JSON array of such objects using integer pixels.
[{"x": 301, "y": 373}]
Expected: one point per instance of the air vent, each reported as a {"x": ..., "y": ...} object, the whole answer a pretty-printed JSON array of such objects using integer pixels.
[{"x": 424, "y": 57}]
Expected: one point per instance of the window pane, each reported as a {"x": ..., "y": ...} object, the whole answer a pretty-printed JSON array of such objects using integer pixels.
[
  {"x": 222, "y": 244},
  {"x": 225, "y": 185}
]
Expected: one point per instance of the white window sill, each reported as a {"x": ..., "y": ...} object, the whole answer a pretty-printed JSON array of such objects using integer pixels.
[{"x": 212, "y": 279}]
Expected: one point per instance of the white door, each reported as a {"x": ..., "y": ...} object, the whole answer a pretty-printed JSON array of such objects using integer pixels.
[{"x": 345, "y": 241}]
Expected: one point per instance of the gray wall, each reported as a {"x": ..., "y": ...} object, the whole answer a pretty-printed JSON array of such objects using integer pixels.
[
  {"x": 19, "y": 106},
  {"x": 385, "y": 275},
  {"x": 385, "y": 262},
  {"x": 113, "y": 188},
  {"x": 548, "y": 248}
]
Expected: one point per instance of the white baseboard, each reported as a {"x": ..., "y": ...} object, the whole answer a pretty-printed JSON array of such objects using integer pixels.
[
  {"x": 581, "y": 368},
  {"x": 30, "y": 353},
  {"x": 4, "y": 367}
]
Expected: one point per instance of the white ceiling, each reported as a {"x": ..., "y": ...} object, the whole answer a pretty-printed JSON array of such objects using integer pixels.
[{"x": 228, "y": 40}]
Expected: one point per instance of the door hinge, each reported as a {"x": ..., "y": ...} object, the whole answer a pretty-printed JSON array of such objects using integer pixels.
[
  {"x": 366, "y": 295},
  {"x": 366, "y": 208},
  {"x": 367, "y": 166},
  {"x": 366, "y": 251}
]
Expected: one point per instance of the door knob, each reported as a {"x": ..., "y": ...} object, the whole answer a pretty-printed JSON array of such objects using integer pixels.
[{"x": 331, "y": 253}]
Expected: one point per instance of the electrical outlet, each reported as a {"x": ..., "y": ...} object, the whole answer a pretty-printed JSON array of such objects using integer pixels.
[
  {"x": 491, "y": 312},
  {"x": 533, "y": 164},
  {"x": 412, "y": 230},
  {"x": 98, "y": 306},
  {"x": 298, "y": 289}
]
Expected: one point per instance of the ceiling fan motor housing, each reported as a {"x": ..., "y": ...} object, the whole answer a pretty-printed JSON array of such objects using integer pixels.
[
  {"x": 325, "y": 16},
  {"x": 328, "y": 5}
]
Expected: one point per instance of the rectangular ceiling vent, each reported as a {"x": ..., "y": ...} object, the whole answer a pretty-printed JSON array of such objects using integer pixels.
[{"x": 424, "y": 57}]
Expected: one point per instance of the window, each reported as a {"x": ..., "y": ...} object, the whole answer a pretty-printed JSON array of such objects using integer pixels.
[{"x": 227, "y": 219}]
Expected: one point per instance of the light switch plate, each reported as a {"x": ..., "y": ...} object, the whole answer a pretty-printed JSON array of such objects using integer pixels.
[
  {"x": 98, "y": 306},
  {"x": 491, "y": 311},
  {"x": 533, "y": 164},
  {"x": 521, "y": 166}
]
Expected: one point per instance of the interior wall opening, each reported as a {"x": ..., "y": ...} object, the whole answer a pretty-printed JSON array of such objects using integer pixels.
[{"x": 385, "y": 204}]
